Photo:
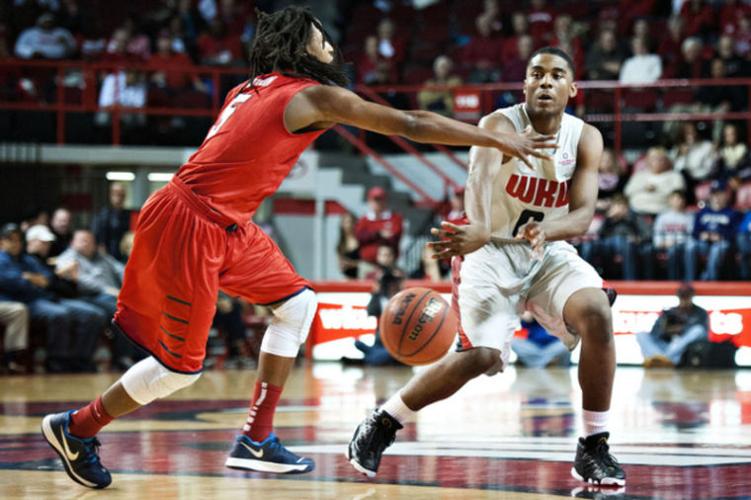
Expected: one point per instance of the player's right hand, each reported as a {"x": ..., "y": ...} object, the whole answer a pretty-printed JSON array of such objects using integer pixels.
[
  {"x": 457, "y": 240},
  {"x": 528, "y": 143}
]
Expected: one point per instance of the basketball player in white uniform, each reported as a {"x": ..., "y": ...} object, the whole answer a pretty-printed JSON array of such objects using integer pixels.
[{"x": 515, "y": 258}]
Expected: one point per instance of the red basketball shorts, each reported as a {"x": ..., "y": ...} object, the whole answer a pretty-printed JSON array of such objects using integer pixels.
[{"x": 183, "y": 254}]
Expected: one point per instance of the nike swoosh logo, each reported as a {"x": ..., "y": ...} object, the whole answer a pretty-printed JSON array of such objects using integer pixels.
[
  {"x": 257, "y": 454},
  {"x": 71, "y": 456}
]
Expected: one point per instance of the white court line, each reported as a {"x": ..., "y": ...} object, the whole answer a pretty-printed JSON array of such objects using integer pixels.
[{"x": 633, "y": 455}]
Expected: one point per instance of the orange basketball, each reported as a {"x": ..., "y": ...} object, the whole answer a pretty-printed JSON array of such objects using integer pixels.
[{"x": 418, "y": 326}]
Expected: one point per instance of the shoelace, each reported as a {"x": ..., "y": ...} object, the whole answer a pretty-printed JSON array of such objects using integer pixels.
[{"x": 91, "y": 448}]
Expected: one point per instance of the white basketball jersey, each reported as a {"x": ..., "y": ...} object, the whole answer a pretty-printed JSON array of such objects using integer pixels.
[{"x": 520, "y": 192}]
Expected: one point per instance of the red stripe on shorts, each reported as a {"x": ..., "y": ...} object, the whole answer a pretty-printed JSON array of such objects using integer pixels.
[{"x": 456, "y": 279}]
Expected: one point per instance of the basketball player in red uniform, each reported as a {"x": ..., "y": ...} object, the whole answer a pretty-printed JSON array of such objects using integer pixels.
[{"x": 195, "y": 237}]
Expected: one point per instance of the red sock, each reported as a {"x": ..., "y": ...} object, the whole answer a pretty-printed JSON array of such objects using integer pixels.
[
  {"x": 260, "y": 421},
  {"x": 89, "y": 420}
]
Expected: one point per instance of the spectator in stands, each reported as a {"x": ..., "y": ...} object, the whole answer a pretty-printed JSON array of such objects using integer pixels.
[
  {"x": 126, "y": 244},
  {"x": 429, "y": 268},
  {"x": 440, "y": 100},
  {"x": 538, "y": 349},
  {"x": 604, "y": 58},
  {"x": 179, "y": 41},
  {"x": 73, "y": 327},
  {"x": 379, "y": 226},
  {"x": 167, "y": 64},
  {"x": 730, "y": 12},
  {"x": 377, "y": 355},
  {"x": 62, "y": 229},
  {"x": 691, "y": 64},
  {"x": 565, "y": 38},
  {"x": 648, "y": 189},
  {"x": 611, "y": 179},
  {"x": 693, "y": 156},
  {"x": 743, "y": 37},
  {"x": 348, "y": 248},
  {"x": 137, "y": 44},
  {"x": 218, "y": 47},
  {"x": 14, "y": 316},
  {"x": 45, "y": 40},
  {"x": 743, "y": 239},
  {"x": 112, "y": 222},
  {"x": 385, "y": 263},
  {"x": 62, "y": 280},
  {"x": 127, "y": 89},
  {"x": 673, "y": 331},
  {"x": 515, "y": 68},
  {"x": 734, "y": 65},
  {"x": 368, "y": 62},
  {"x": 669, "y": 48},
  {"x": 520, "y": 27},
  {"x": 99, "y": 279},
  {"x": 733, "y": 160},
  {"x": 483, "y": 54},
  {"x": 72, "y": 17},
  {"x": 99, "y": 275},
  {"x": 641, "y": 67},
  {"x": 390, "y": 47},
  {"x": 699, "y": 17},
  {"x": 715, "y": 227},
  {"x": 623, "y": 241},
  {"x": 541, "y": 18},
  {"x": 671, "y": 230}
]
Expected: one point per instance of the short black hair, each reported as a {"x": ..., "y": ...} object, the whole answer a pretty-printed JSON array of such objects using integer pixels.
[
  {"x": 556, "y": 52},
  {"x": 280, "y": 45}
]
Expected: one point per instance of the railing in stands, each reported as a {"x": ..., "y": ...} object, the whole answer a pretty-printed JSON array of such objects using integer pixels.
[{"x": 621, "y": 103}]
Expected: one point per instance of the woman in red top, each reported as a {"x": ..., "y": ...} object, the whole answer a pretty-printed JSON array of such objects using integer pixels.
[{"x": 195, "y": 237}]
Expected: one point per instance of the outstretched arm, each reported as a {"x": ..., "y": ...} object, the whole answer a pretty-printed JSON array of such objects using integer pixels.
[
  {"x": 324, "y": 105},
  {"x": 484, "y": 165},
  {"x": 582, "y": 196}
]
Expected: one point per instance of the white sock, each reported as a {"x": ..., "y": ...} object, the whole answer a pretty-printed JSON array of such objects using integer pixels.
[
  {"x": 595, "y": 422},
  {"x": 396, "y": 408}
]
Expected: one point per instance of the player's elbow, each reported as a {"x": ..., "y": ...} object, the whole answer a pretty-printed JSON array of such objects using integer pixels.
[{"x": 414, "y": 124}]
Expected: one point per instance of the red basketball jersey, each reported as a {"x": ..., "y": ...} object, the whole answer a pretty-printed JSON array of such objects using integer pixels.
[{"x": 248, "y": 151}]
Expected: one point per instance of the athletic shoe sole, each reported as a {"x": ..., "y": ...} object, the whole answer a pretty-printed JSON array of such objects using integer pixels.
[
  {"x": 608, "y": 481},
  {"x": 49, "y": 436},
  {"x": 359, "y": 468},
  {"x": 261, "y": 466}
]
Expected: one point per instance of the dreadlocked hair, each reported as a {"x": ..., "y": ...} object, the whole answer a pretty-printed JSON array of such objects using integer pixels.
[{"x": 280, "y": 45}]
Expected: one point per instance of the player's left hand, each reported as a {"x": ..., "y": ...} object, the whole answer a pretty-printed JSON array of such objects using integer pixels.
[
  {"x": 457, "y": 240},
  {"x": 533, "y": 232}
]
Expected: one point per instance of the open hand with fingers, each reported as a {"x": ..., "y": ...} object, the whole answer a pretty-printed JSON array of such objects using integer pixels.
[
  {"x": 457, "y": 240},
  {"x": 533, "y": 232},
  {"x": 528, "y": 143}
]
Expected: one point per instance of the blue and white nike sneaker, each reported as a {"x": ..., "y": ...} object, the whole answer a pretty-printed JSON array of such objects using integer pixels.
[
  {"x": 80, "y": 456},
  {"x": 267, "y": 456}
]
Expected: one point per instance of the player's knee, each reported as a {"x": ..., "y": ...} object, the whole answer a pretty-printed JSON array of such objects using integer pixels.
[
  {"x": 148, "y": 380},
  {"x": 291, "y": 324},
  {"x": 481, "y": 360},
  {"x": 594, "y": 322}
]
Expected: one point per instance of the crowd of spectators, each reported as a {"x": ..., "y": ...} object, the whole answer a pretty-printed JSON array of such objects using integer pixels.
[{"x": 59, "y": 284}]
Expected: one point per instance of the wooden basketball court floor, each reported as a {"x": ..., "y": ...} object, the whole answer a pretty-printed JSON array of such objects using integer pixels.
[{"x": 680, "y": 434}]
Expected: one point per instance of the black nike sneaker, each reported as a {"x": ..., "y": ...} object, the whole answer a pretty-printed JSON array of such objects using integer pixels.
[
  {"x": 80, "y": 456},
  {"x": 594, "y": 463},
  {"x": 372, "y": 437}
]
